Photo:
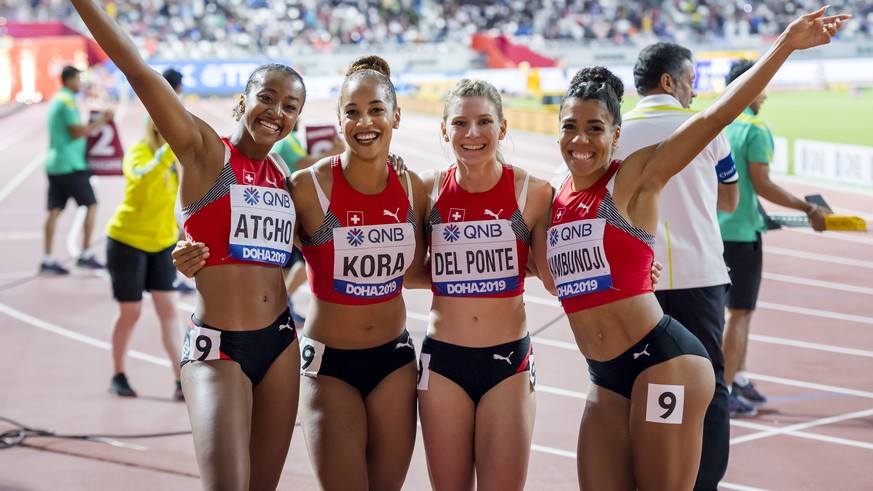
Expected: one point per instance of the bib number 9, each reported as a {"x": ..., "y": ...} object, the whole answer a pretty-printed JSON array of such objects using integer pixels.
[{"x": 665, "y": 403}]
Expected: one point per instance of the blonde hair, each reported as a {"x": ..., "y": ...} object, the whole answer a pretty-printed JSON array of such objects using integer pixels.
[
  {"x": 152, "y": 136},
  {"x": 475, "y": 88}
]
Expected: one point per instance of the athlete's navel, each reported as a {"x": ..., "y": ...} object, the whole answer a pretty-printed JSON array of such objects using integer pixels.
[
  {"x": 475, "y": 318},
  {"x": 600, "y": 335}
]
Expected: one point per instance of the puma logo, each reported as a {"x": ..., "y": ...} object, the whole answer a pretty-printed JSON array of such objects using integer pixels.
[
  {"x": 586, "y": 207},
  {"x": 491, "y": 213},
  {"x": 285, "y": 326},
  {"x": 643, "y": 352},
  {"x": 407, "y": 344},
  {"x": 388, "y": 213},
  {"x": 504, "y": 358}
]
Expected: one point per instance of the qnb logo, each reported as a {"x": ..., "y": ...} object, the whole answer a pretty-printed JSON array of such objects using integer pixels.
[
  {"x": 553, "y": 237},
  {"x": 355, "y": 237},
  {"x": 251, "y": 196},
  {"x": 451, "y": 233}
]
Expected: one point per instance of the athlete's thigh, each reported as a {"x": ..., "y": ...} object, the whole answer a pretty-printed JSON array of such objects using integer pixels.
[
  {"x": 447, "y": 424},
  {"x": 604, "y": 460},
  {"x": 668, "y": 404},
  {"x": 391, "y": 423},
  {"x": 274, "y": 413},
  {"x": 504, "y": 426},
  {"x": 218, "y": 396},
  {"x": 335, "y": 426}
]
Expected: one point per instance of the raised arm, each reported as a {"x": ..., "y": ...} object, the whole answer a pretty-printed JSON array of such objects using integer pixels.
[
  {"x": 674, "y": 153},
  {"x": 193, "y": 141}
]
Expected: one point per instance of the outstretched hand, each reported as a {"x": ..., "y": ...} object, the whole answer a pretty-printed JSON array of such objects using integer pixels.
[{"x": 814, "y": 29}]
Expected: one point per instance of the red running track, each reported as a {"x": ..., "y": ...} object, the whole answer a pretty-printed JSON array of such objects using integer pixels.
[{"x": 811, "y": 349}]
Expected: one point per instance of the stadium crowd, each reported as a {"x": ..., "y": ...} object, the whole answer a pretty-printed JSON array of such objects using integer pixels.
[{"x": 203, "y": 28}]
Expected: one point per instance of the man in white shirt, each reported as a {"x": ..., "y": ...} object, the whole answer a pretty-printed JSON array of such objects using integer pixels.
[{"x": 688, "y": 241}]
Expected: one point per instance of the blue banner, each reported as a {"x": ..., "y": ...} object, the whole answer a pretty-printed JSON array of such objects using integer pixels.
[{"x": 203, "y": 77}]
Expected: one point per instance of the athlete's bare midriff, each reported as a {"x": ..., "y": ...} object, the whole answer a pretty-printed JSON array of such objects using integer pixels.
[
  {"x": 606, "y": 331},
  {"x": 477, "y": 322},
  {"x": 355, "y": 326},
  {"x": 240, "y": 297}
]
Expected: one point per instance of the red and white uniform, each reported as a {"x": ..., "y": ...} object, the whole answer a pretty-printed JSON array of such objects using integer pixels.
[
  {"x": 247, "y": 216},
  {"x": 594, "y": 255},
  {"x": 365, "y": 244},
  {"x": 479, "y": 242}
]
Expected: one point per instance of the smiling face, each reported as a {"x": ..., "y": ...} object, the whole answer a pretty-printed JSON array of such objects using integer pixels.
[
  {"x": 271, "y": 106},
  {"x": 586, "y": 139},
  {"x": 474, "y": 129},
  {"x": 367, "y": 117}
]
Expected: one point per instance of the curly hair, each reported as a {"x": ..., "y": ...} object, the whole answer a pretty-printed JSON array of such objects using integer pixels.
[{"x": 599, "y": 84}]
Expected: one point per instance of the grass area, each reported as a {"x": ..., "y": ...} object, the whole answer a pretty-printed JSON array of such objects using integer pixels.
[
  {"x": 833, "y": 116},
  {"x": 836, "y": 116}
]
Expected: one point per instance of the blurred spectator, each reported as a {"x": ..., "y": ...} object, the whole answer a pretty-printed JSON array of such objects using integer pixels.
[{"x": 205, "y": 28}]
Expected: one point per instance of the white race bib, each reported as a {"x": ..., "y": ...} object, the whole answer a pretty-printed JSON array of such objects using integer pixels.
[
  {"x": 311, "y": 354},
  {"x": 369, "y": 261},
  {"x": 474, "y": 258},
  {"x": 577, "y": 259},
  {"x": 202, "y": 344},
  {"x": 261, "y": 224}
]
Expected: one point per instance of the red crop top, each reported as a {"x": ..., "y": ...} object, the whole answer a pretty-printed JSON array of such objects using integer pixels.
[
  {"x": 247, "y": 216},
  {"x": 479, "y": 242},
  {"x": 365, "y": 243},
  {"x": 594, "y": 255}
]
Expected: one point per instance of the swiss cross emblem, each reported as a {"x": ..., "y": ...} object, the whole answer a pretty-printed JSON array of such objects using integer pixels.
[
  {"x": 355, "y": 218},
  {"x": 560, "y": 214},
  {"x": 248, "y": 177},
  {"x": 456, "y": 214}
]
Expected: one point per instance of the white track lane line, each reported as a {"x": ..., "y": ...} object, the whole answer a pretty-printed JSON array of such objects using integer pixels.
[
  {"x": 831, "y": 285},
  {"x": 781, "y": 251},
  {"x": 794, "y": 430},
  {"x": 75, "y": 336},
  {"x": 813, "y": 346},
  {"x": 23, "y": 174}
]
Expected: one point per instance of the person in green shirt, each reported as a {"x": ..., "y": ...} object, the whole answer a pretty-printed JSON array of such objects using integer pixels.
[
  {"x": 296, "y": 158},
  {"x": 752, "y": 149},
  {"x": 66, "y": 170}
]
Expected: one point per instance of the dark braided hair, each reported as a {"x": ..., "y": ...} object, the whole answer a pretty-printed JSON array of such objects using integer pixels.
[
  {"x": 598, "y": 84},
  {"x": 266, "y": 68}
]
